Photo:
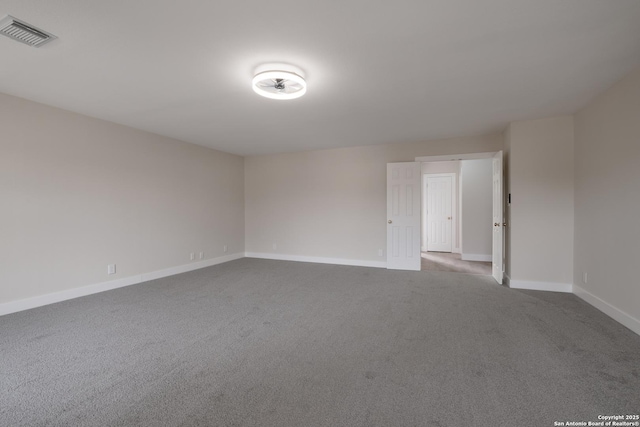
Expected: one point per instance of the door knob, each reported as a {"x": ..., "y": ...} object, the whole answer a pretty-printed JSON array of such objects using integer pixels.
[
  {"x": 495, "y": 224},
  {"x": 448, "y": 217},
  {"x": 389, "y": 221}
]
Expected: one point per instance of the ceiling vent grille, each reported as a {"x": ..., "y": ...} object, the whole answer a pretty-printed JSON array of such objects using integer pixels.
[{"x": 23, "y": 32}]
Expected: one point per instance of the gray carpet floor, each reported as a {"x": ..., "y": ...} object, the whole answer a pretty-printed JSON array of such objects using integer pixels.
[
  {"x": 273, "y": 343},
  {"x": 443, "y": 261}
]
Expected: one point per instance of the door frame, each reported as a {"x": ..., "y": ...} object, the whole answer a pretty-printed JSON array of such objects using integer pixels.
[
  {"x": 475, "y": 156},
  {"x": 499, "y": 219},
  {"x": 454, "y": 210}
]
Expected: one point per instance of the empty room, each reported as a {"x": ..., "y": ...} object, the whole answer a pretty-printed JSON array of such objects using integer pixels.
[{"x": 408, "y": 213}]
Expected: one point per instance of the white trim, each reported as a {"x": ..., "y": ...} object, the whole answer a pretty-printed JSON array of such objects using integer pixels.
[
  {"x": 189, "y": 267},
  {"x": 456, "y": 157},
  {"x": 506, "y": 280},
  {"x": 40, "y": 300},
  {"x": 477, "y": 257},
  {"x": 319, "y": 260},
  {"x": 51, "y": 298},
  {"x": 460, "y": 190},
  {"x": 540, "y": 286},
  {"x": 453, "y": 251},
  {"x": 608, "y": 309}
]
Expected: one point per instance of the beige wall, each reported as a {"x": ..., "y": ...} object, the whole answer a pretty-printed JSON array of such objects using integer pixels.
[
  {"x": 79, "y": 193},
  {"x": 541, "y": 212},
  {"x": 607, "y": 193},
  {"x": 476, "y": 177},
  {"x": 331, "y": 203}
]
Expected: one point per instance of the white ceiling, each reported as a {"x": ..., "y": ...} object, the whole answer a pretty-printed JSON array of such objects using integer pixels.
[{"x": 377, "y": 71}]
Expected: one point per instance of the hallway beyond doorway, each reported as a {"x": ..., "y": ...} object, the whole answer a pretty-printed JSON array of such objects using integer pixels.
[{"x": 450, "y": 262}]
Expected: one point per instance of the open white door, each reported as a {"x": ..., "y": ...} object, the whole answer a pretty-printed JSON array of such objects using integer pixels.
[
  {"x": 403, "y": 216},
  {"x": 498, "y": 218}
]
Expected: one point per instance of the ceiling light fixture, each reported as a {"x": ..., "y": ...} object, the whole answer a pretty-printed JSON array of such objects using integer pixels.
[{"x": 277, "y": 84}]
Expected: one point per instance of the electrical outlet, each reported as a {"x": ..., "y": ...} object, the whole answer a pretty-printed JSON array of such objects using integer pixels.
[
  {"x": 111, "y": 269},
  {"x": 275, "y": 246},
  {"x": 380, "y": 252},
  {"x": 584, "y": 277},
  {"x": 224, "y": 248},
  {"x": 201, "y": 255},
  {"x": 192, "y": 256}
]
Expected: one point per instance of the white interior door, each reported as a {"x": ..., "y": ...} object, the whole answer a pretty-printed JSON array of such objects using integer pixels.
[
  {"x": 439, "y": 203},
  {"x": 498, "y": 218},
  {"x": 403, "y": 216}
]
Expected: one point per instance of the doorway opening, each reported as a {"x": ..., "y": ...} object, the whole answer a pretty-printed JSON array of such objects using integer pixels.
[
  {"x": 457, "y": 214},
  {"x": 474, "y": 234}
]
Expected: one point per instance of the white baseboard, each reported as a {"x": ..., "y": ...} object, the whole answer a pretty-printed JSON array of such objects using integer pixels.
[
  {"x": 453, "y": 251},
  {"x": 540, "y": 286},
  {"x": 320, "y": 260},
  {"x": 611, "y": 311},
  {"x": 158, "y": 274},
  {"x": 40, "y": 300},
  {"x": 476, "y": 257}
]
